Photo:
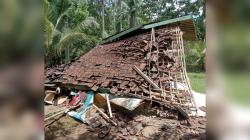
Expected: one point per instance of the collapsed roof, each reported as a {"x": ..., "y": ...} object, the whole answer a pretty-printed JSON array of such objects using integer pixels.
[{"x": 155, "y": 49}]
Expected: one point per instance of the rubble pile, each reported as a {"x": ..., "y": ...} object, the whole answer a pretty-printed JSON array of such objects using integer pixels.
[
  {"x": 158, "y": 54},
  {"x": 136, "y": 88},
  {"x": 156, "y": 122},
  {"x": 54, "y": 73}
]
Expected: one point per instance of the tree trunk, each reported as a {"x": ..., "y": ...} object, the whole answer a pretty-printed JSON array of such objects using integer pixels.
[
  {"x": 67, "y": 54},
  {"x": 132, "y": 18},
  {"x": 132, "y": 13},
  {"x": 103, "y": 24},
  {"x": 119, "y": 23},
  {"x": 67, "y": 51},
  {"x": 114, "y": 16}
]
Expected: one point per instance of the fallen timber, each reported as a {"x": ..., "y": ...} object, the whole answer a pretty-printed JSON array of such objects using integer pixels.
[
  {"x": 159, "y": 54},
  {"x": 146, "y": 77}
]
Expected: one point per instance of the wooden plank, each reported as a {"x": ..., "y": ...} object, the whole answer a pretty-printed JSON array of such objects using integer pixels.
[{"x": 144, "y": 76}]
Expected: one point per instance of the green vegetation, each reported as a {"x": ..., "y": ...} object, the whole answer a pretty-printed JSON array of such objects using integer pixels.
[
  {"x": 73, "y": 27},
  {"x": 197, "y": 82},
  {"x": 69, "y": 30},
  {"x": 237, "y": 87},
  {"x": 195, "y": 56},
  {"x": 195, "y": 61}
]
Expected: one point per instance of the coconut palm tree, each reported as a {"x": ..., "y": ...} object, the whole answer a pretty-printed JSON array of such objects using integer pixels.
[{"x": 62, "y": 30}]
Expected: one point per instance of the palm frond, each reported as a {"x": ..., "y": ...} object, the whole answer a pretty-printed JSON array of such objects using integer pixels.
[
  {"x": 57, "y": 9},
  {"x": 124, "y": 5},
  {"x": 69, "y": 38},
  {"x": 45, "y": 6},
  {"x": 105, "y": 34},
  {"x": 49, "y": 29},
  {"x": 89, "y": 22},
  {"x": 65, "y": 13}
]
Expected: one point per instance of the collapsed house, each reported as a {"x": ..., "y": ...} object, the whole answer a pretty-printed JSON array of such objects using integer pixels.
[
  {"x": 156, "y": 50},
  {"x": 145, "y": 62}
]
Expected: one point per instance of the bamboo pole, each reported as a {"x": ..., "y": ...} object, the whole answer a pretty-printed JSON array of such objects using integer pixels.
[
  {"x": 144, "y": 76},
  {"x": 109, "y": 107},
  {"x": 61, "y": 112}
]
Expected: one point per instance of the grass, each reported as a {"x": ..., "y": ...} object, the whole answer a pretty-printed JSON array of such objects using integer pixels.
[
  {"x": 197, "y": 82},
  {"x": 237, "y": 87}
]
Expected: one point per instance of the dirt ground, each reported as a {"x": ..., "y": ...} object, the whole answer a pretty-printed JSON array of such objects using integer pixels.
[
  {"x": 67, "y": 128},
  {"x": 137, "y": 125}
]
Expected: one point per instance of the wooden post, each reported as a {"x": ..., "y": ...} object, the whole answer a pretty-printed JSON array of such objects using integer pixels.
[{"x": 109, "y": 107}]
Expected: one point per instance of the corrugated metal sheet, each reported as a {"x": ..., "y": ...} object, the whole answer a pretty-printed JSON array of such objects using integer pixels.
[
  {"x": 166, "y": 22},
  {"x": 185, "y": 23},
  {"x": 120, "y": 34}
]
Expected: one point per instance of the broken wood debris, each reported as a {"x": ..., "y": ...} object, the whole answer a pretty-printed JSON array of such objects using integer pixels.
[
  {"x": 109, "y": 107},
  {"x": 149, "y": 66},
  {"x": 63, "y": 111},
  {"x": 104, "y": 115},
  {"x": 136, "y": 66},
  {"x": 146, "y": 77}
]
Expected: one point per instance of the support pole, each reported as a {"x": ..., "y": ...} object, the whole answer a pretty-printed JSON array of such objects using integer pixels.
[{"x": 109, "y": 107}]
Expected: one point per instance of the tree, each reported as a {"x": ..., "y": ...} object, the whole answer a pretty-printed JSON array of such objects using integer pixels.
[
  {"x": 66, "y": 22},
  {"x": 119, "y": 23},
  {"x": 195, "y": 56},
  {"x": 72, "y": 26},
  {"x": 134, "y": 5},
  {"x": 103, "y": 21},
  {"x": 132, "y": 13}
]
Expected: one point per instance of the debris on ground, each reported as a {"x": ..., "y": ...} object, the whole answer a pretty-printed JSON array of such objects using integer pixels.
[
  {"x": 110, "y": 68},
  {"x": 128, "y": 103},
  {"x": 136, "y": 88}
]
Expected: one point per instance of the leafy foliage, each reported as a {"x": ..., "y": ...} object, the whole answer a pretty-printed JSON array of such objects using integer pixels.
[
  {"x": 195, "y": 56},
  {"x": 67, "y": 24},
  {"x": 72, "y": 27}
]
